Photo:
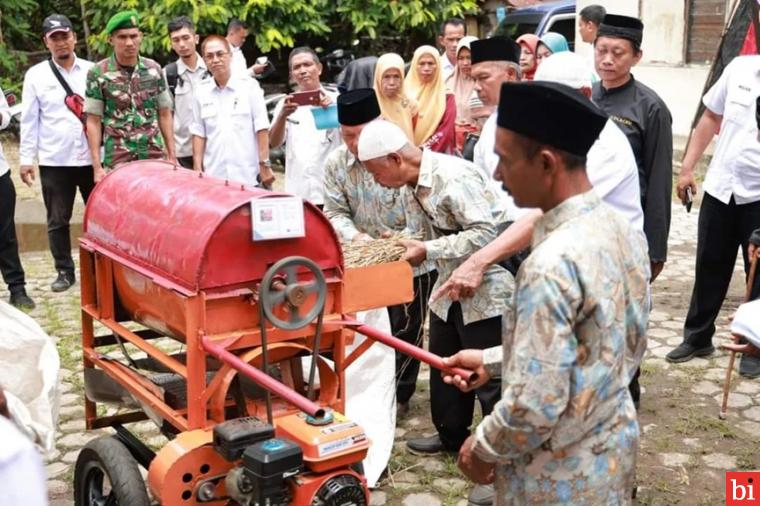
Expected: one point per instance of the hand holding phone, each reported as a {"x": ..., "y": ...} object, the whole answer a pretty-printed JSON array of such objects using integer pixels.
[
  {"x": 306, "y": 98},
  {"x": 689, "y": 199}
]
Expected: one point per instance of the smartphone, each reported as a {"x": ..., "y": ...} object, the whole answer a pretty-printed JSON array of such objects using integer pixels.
[
  {"x": 306, "y": 97},
  {"x": 689, "y": 199}
]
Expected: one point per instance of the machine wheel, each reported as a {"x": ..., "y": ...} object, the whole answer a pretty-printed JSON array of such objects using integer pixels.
[
  {"x": 106, "y": 474},
  {"x": 292, "y": 294}
]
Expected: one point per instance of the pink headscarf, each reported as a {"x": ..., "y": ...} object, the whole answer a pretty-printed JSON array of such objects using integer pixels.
[{"x": 530, "y": 42}]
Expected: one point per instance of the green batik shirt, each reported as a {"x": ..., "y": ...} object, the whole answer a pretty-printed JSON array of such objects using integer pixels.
[{"x": 128, "y": 106}]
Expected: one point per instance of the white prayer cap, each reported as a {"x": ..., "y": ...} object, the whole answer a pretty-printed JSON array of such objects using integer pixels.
[
  {"x": 380, "y": 138},
  {"x": 565, "y": 68}
]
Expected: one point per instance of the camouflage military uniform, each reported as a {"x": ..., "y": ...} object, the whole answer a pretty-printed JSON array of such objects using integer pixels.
[{"x": 128, "y": 106}]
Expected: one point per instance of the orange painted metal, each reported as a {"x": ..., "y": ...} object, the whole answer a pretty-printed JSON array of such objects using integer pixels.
[
  {"x": 325, "y": 447},
  {"x": 373, "y": 286},
  {"x": 184, "y": 463},
  {"x": 172, "y": 251}
]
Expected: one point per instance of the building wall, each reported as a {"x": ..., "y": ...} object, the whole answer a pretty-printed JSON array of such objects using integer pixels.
[{"x": 664, "y": 26}]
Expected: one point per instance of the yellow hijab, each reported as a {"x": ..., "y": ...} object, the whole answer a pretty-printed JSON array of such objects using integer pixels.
[
  {"x": 430, "y": 97},
  {"x": 398, "y": 110}
]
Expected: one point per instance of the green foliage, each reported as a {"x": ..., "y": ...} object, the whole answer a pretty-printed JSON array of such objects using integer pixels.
[
  {"x": 382, "y": 25},
  {"x": 276, "y": 24},
  {"x": 14, "y": 25},
  {"x": 377, "y": 17}
]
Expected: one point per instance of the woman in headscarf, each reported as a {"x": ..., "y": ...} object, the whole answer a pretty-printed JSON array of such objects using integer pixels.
[
  {"x": 436, "y": 109},
  {"x": 550, "y": 43},
  {"x": 528, "y": 62},
  {"x": 395, "y": 106},
  {"x": 463, "y": 87}
]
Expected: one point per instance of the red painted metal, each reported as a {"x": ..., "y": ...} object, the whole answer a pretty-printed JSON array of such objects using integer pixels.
[
  {"x": 192, "y": 233},
  {"x": 413, "y": 351},
  {"x": 263, "y": 379}
]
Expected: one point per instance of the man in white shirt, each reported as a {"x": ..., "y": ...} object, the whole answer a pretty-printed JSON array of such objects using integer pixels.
[
  {"x": 610, "y": 163},
  {"x": 236, "y": 35},
  {"x": 184, "y": 77},
  {"x": 589, "y": 19},
  {"x": 610, "y": 166},
  {"x": 730, "y": 208},
  {"x": 54, "y": 135},
  {"x": 306, "y": 148},
  {"x": 10, "y": 263},
  {"x": 230, "y": 123},
  {"x": 494, "y": 61},
  {"x": 452, "y": 31}
]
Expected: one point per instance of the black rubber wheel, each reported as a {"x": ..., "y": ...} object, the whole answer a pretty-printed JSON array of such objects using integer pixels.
[{"x": 106, "y": 474}]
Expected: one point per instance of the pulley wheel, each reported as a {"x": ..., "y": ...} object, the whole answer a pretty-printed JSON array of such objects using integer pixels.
[{"x": 292, "y": 294}]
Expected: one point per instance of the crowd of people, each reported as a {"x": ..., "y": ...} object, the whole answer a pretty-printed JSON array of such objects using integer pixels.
[{"x": 494, "y": 157}]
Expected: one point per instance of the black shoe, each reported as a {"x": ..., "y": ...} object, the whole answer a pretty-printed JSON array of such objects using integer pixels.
[
  {"x": 21, "y": 300},
  {"x": 402, "y": 409},
  {"x": 63, "y": 282},
  {"x": 427, "y": 446},
  {"x": 749, "y": 366},
  {"x": 685, "y": 352}
]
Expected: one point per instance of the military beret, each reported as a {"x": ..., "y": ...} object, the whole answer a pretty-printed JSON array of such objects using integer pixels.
[{"x": 123, "y": 19}]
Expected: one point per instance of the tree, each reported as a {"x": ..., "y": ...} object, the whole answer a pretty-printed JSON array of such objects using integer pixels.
[
  {"x": 384, "y": 24},
  {"x": 281, "y": 23},
  {"x": 14, "y": 27}
]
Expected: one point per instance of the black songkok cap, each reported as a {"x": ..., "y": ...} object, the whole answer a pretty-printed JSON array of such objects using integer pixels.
[
  {"x": 357, "y": 107},
  {"x": 622, "y": 27},
  {"x": 552, "y": 114},
  {"x": 497, "y": 48}
]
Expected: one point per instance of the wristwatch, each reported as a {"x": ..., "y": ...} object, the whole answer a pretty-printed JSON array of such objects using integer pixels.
[{"x": 266, "y": 163}]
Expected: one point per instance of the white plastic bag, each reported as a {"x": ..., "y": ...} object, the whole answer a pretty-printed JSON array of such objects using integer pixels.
[{"x": 29, "y": 366}]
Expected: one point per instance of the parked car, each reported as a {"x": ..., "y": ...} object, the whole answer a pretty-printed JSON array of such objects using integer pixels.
[{"x": 540, "y": 18}]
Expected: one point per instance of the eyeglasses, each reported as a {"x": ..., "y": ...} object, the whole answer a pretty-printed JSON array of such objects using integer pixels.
[{"x": 216, "y": 56}]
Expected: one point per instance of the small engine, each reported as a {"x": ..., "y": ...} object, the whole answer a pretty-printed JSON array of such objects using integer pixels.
[
  {"x": 341, "y": 490},
  {"x": 304, "y": 461}
]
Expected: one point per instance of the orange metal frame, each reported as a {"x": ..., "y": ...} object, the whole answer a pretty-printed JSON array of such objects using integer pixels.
[{"x": 359, "y": 289}]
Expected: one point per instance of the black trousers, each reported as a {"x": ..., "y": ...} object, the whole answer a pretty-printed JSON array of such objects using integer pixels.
[
  {"x": 451, "y": 409},
  {"x": 59, "y": 189},
  {"x": 10, "y": 263},
  {"x": 406, "y": 324},
  {"x": 722, "y": 229}
]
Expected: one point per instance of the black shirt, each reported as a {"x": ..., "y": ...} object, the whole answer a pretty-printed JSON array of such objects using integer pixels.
[{"x": 646, "y": 121}]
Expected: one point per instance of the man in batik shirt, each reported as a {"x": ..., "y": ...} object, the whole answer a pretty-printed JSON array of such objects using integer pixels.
[
  {"x": 462, "y": 215},
  {"x": 360, "y": 209},
  {"x": 128, "y": 105},
  {"x": 565, "y": 430}
]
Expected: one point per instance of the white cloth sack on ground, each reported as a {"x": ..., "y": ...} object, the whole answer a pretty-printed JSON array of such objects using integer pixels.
[
  {"x": 371, "y": 393},
  {"x": 29, "y": 366},
  {"x": 747, "y": 322}
]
